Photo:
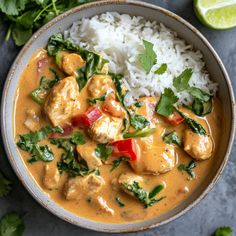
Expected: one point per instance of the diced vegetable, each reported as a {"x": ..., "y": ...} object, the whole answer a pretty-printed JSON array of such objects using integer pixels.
[
  {"x": 124, "y": 148},
  {"x": 88, "y": 118},
  {"x": 175, "y": 118}
]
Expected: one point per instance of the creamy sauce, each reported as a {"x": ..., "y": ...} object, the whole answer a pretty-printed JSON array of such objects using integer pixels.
[{"x": 178, "y": 187}]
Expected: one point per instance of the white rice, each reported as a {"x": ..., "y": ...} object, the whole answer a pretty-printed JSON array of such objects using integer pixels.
[{"x": 119, "y": 38}]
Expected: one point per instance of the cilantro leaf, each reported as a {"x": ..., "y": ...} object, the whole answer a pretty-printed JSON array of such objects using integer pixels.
[
  {"x": 193, "y": 125},
  {"x": 12, "y": 7},
  {"x": 181, "y": 82},
  {"x": 118, "y": 161},
  {"x": 148, "y": 58},
  {"x": 120, "y": 203},
  {"x": 188, "y": 168},
  {"x": 5, "y": 185},
  {"x": 21, "y": 35},
  {"x": 223, "y": 231},
  {"x": 103, "y": 151},
  {"x": 140, "y": 133},
  {"x": 147, "y": 199},
  {"x": 78, "y": 138},
  {"x": 11, "y": 224},
  {"x": 139, "y": 122},
  {"x": 172, "y": 137},
  {"x": 101, "y": 99},
  {"x": 165, "y": 106},
  {"x": 161, "y": 70}
]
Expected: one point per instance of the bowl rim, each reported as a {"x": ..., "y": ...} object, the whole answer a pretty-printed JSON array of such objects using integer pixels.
[{"x": 131, "y": 3}]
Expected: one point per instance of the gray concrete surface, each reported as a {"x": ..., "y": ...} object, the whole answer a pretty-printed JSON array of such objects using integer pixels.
[{"x": 217, "y": 209}]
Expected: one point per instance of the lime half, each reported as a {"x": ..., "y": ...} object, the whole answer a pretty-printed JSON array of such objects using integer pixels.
[{"x": 217, "y": 14}]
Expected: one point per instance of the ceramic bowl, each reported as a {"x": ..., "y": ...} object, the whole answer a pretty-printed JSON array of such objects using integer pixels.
[{"x": 151, "y": 12}]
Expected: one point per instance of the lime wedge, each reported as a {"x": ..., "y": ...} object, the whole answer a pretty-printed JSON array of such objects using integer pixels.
[{"x": 217, "y": 14}]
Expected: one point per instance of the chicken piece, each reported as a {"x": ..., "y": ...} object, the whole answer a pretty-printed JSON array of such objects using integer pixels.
[
  {"x": 128, "y": 178},
  {"x": 71, "y": 62},
  {"x": 153, "y": 159},
  {"x": 32, "y": 120},
  {"x": 199, "y": 147},
  {"x": 87, "y": 152},
  {"x": 51, "y": 177},
  {"x": 99, "y": 85},
  {"x": 78, "y": 187},
  {"x": 106, "y": 129},
  {"x": 113, "y": 107},
  {"x": 62, "y": 101},
  {"x": 102, "y": 206}
]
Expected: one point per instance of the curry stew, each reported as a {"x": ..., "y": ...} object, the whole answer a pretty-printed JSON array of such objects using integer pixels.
[{"x": 95, "y": 156}]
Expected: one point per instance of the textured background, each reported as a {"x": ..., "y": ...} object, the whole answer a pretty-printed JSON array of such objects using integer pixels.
[{"x": 217, "y": 209}]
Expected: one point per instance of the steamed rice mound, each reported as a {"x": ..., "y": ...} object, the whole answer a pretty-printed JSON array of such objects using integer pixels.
[{"x": 119, "y": 38}]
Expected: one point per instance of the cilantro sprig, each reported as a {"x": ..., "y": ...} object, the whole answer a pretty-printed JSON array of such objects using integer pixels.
[
  {"x": 188, "y": 168},
  {"x": 5, "y": 185}
]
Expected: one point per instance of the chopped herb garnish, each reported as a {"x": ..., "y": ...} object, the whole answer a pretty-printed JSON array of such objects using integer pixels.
[
  {"x": 99, "y": 99},
  {"x": 43, "y": 153},
  {"x": 148, "y": 58},
  {"x": 143, "y": 196},
  {"x": 223, "y": 231},
  {"x": 188, "y": 168},
  {"x": 12, "y": 224},
  {"x": 77, "y": 138},
  {"x": 199, "y": 94},
  {"x": 139, "y": 122},
  {"x": 5, "y": 185},
  {"x": 155, "y": 191},
  {"x": 181, "y": 82},
  {"x": 193, "y": 125},
  {"x": 165, "y": 106},
  {"x": 138, "y": 104},
  {"x": 140, "y": 133},
  {"x": 103, "y": 151},
  {"x": 161, "y": 70},
  {"x": 120, "y": 203},
  {"x": 118, "y": 161},
  {"x": 172, "y": 137}
]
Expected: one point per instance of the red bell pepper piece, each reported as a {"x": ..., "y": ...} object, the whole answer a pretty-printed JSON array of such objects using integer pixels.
[
  {"x": 88, "y": 118},
  {"x": 175, "y": 119},
  {"x": 124, "y": 147},
  {"x": 67, "y": 130}
]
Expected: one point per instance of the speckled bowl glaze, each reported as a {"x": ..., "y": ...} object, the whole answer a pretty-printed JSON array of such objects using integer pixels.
[{"x": 151, "y": 12}]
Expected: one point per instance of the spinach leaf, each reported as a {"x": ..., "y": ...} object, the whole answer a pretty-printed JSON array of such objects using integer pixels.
[
  {"x": 161, "y": 70},
  {"x": 199, "y": 94},
  {"x": 223, "y": 231},
  {"x": 120, "y": 203},
  {"x": 78, "y": 138},
  {"x": 188, "y": 168},
  {"x": 103, "y": 151},
  {"x": 43, "y": 153},
  {"x": 193, "y": 125},
  {"x": 101, "y": 99},
  {"x": 11, "y": 224},
  {"x": 39, "y": 94},
  {"x": 155, "y": 191},
  {"x": 172, "y": 137},
  {"x": 116, "y": 163},
  {"x": 5, "y": 185},
  {"x": 165, "y": 106},
  {"x": 142, "y": 195},
  {"x": 140, "y": 133},
  {"x": 181, "y": 82},
  {"x": 139, "y": 122},
  {"x": 148, "y": 58}
]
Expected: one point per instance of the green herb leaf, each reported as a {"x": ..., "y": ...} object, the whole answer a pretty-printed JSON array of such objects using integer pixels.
[
  {"x": 78, "y": 138},
  {"x": 21, "y": 35},
  {"x": 43, "y": 153},
  {"x": 161, "y": 70},
  {"x": 120, "y": 203},
  {"x": 148, "y": 58},
  {"x": 116, "y": 163},
  {"x": 140, "y": 133},
  {"x": 188, "y": 168},
  {"x": 172, "y": 137},
  {"x": 201, "y": 108},
  {"x": 181, "y": 82},
  {"x": 165, "y": 106},
  {"x": 139, "y": 122},
  {"x": 103, "y": 151},
  {"x": 101, "y": 99},
  {"x": 223, "y": 231},
  {"x": 5, "y": 185},
  {"x": 193, "y": 125},
  {"x": 155, "y": 191},
  {"x": 141, "y": 194},
  {"x": 138, "y": 104},
  {"x": 11, "y": 224},
  {"x": 12, "y": 7},
  {"x": 198, "y": 93}
]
